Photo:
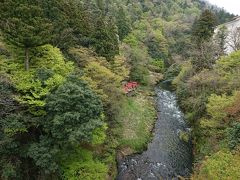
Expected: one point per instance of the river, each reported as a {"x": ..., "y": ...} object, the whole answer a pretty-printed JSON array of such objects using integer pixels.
[{"x": 167, "y": 156}]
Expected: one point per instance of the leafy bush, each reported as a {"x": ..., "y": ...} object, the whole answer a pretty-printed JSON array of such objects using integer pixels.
[
  {"x": 172, "y": 72},
  {"x": 107, "y": 85},
  {"x": 223, "y": 165},
  {"x": 157, "y": 45},
  {"x": 140, "y": 74},
  {"x": 228, "y": 64},
  {"x": 228, "y": 68},
  {"x": 131, "y": 40},
  {"x": 99, "y": 135},
  {"x": 184, "y": 74},
  {"x": 103, "y": 77},
  {"x": 216, "y": 108},
  {"x": 157, "y": 66},
  {"x": 86, "y": 170},
  {"x": 79, "y": 164},
  {"x": 234, "y": 136}
]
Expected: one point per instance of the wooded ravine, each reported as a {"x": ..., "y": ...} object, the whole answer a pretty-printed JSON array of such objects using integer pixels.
[{"x": 80, "y": 89}]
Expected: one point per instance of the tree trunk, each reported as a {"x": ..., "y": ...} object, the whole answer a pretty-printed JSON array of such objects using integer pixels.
[{"x": 26, "y": 61}]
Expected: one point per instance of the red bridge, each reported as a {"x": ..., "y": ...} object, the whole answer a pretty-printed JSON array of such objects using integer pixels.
[{"x": 130, "y": 86}]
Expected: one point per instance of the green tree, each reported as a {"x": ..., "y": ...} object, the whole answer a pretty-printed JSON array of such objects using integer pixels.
[
  {"x": 74, "y": 111},
  {"x": 234, "y": 136},
  {"x": 157, "y": 46},
  {"x": 140, "y": 73},
  {"x": 203, "y": 55},
  {"x": 79, "y": 163},
  {"x": 203, "y": 51},
  {"x": 203, "y": 28},
  {"x": 220, "y": 38},
  {"x": 49, "y": 70},
  {"x": 222, "y": 164},
  {"x": 122, "y": 24},
  {"x": 24, "y": 25},
  {"x": 105, "y": 38}
]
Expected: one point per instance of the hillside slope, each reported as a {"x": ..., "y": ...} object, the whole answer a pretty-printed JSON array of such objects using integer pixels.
[{"x": 62, "y": 68}]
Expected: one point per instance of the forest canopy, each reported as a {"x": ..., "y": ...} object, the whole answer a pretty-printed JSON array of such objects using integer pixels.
[{"x": 63, "y": 64}]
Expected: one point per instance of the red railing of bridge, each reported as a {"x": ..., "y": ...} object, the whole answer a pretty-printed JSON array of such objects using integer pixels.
[{"x": 130, "y": 86}]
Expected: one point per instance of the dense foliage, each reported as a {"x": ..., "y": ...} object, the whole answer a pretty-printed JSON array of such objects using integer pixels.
[
  {"x": 63, "y": 112},
  {"x": 210, "y": 98}
]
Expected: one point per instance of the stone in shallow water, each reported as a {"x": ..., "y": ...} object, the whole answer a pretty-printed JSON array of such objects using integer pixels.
[{"x": 167, "y": 156}]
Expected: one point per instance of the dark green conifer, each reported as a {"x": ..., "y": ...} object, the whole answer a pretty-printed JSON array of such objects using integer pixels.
[
  {"x": 24, "y": 25},
  {"x": 203, "y": 28},
  {"x": 122, "y": 24},
  {"x": 105, "y": 38}
]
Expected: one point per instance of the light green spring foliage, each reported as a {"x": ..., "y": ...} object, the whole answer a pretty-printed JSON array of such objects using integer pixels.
[
  {"x": 131, "y": 40},
  {"x": 217, "y": 105},
  {"x": 228, "y": 64},
  {"x": 226, "y": 75},
  {"x": 149, "y": 34},
  {"x": 99, "y": 135},
  {"x": 103, "y": 77},
  {"x": 210, "y": 99},
  {"x": 100, "y": 78},
  {"x": 222, "y": 111},
  {"x": 221, "y": 165},
  {"x": 80, "y": 164},
  {"x": 107, "y": 85},
  {"x": 186, "y": 69},
  {"x": 146, "y": 45},
  {"x": 119, "y": 67},
  {"x": 157, "y": 66},
  {"x": 228, "y": 68},
  {"x": 48, "y": 71},
  {"x": 216, "y": 109}
]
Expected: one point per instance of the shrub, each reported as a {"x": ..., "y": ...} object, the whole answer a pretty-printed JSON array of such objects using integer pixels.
[
  {"x": 233, "y": 134},
  {"x": 221, "y": 165},
  {"x": 216, "y": 108},
  {"x": 140, "y": 74},
  {"x": 172, "y": 72},
  {"x": 78, "y": 163},
  {"x": 157, "y": 66}
]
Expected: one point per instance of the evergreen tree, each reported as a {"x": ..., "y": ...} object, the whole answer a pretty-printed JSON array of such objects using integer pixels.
[
  {"x": 221, "y": 37},
  {"x": 113, "y": 32},
  {"x": 74, "y": 112},
  {"x": 24, "y": 25},
  {"x": 106, "y": 40},
  {"x": 223, "y": 16},
  {"x": 122, "y": 24},
  {"x": 203, "y": 28},
  {"x": 203, "y": 52}
]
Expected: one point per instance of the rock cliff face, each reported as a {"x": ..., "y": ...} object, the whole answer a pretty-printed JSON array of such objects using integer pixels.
[{"x": 233, "y": 38}]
